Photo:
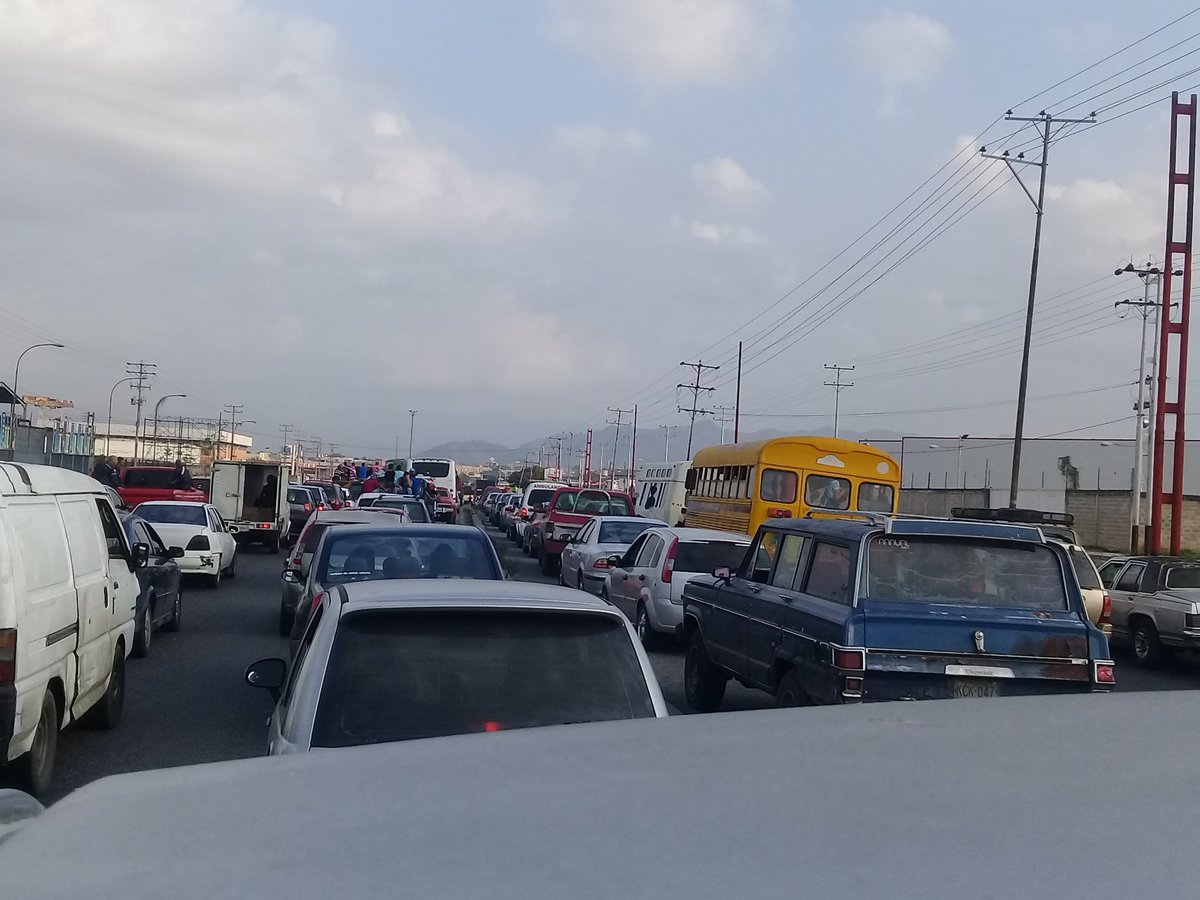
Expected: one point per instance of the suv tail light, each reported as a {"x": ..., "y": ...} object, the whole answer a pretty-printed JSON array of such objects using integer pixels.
[
  {"x": 854, "y": 659},
  {"x": 8, "y": 655},
  {"x": 199, "y": 542},
  {"x": 1106, "y": 610},
  {"x": 668, "y": 568},
  {"x": 1190, "y": 620},
  {"x": 1104, "y": 672}
]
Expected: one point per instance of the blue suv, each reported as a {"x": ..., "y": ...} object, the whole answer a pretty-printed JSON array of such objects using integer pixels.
[{"x": 846, "y": 610}]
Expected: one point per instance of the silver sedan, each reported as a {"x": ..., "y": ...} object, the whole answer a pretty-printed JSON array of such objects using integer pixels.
[{"x": 585, "y": 558}]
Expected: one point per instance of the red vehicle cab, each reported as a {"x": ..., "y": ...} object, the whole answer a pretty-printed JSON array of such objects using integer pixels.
[
  {"x": 446, "y": 508},
  {"x": 568, "y": 511},
  {"x": 142, "y": 483}
]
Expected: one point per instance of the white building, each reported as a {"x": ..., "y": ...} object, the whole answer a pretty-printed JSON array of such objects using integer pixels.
[{"x": 195, "y": 443}]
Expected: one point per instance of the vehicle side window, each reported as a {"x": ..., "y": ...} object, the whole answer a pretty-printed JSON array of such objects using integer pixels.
[
  {"x": 585, "y": 533},
  {"x": 649, "y": 550},
  {"x": 825, "y": 492},
  {"x": 112, "y": 531},
  {"x": 829, "y": 574},
  {"x": 790, "y": 554},
  {"x": 778, "y": 486},
  {"x": 302, "y": 653},
  {"x": 157, "y": 547},
  {"x": 632, "y": 553},
  {"x": 1108, "y": 573},
  {"x": 762, "y": 558},
  {"x": 565, "y": 502},
  {"x": 1130, "y": 578}
]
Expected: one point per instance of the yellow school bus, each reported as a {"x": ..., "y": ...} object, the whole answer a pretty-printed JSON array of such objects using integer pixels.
[{"x": 737, "y": 487}]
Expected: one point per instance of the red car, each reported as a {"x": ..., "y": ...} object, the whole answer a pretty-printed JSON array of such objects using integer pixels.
[
  {"x": 568, "y": 511},
  {"x": 142, "y": 483},
  {"x": 446, "y": 507}
]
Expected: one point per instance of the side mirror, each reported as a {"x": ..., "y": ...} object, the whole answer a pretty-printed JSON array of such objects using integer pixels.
[
  {"x": 723, "y": 573},
  {"x": 291, "y": 576},
  {"x": 141, "y": 555},
  {"x": 268, "y": 674},
  {"x": 614, "y": 561},
  {"x": 175, "y": 552}
]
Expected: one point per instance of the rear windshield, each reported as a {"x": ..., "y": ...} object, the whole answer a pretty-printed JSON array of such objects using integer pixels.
[
  {"x": 624, "y": 532},
  {"x": 1184, "y": 577},
  {"x": 295, "y": 496},
  {"x": 330, "y": 492},
  {"x": 397, "y": 675},
  {"x": 540, "y": 495},
  {"x": 415, "y": 508},
  {"x": 432, "y": 469},
  {"x": 390, "y": 553},
  {"x": 964, "y": 571},
  {"x": 149, "y": 478},
  {"x": 1085, "y": 569},
  {"x": 173, "y": 515},
  {"x": 705, "y": 556},
  {"x": 594, "y": 503}
]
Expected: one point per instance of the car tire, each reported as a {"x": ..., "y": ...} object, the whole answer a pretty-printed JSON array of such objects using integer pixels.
[
  {"x": 107, "y": 713},
  {"x": 1148, "y": 649},
  {"x": 231, "y": 572},
  {"x": 645, "y": 631},
  {"x": 579, "y": 585},
  {"x": 35, "y": 769},
  {"x": 703, "y": 683},
  {"x": 790, "y": 692},
  {"x": 173, "y": 623},
  {"x": 214, "y": 580},
  {"x": 145, "y": 627},
  {"x": 286, "y": 620}
]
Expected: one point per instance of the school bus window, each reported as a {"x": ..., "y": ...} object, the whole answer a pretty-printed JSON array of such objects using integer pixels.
[
  {"x": 750, "y": 481},
  {"x": 826, "y": 492},
  {"x": 875, "y": 497},
  {"x": 778, "y": 486},
  {"x": 726, "y": 482}
]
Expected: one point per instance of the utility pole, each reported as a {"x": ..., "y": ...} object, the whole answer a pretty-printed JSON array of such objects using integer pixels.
[
  {"x": 141, "y": 372},
  {"x": 412, "y": 424},
  {"x": 612, "y": 474},
  {"x": 838, "y": 386},
  {"x": 723, "y": 418},
  {"x": 557, "y": 441},
  {"x": 694, "y": 409},
  {"x": 633, "y": 450},
  {"x": 737, "y": 398},
  {"x": 1044, "y": 123},
  {"x": 234, "y": 410},
  {"x": 286, "y": 448},
  {"x": 667, "y": 445}
]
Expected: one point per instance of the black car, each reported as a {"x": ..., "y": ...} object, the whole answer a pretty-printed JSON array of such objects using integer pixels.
[
  {"x": 160, "y": 598},
  {"x": 300, "y": 506}
]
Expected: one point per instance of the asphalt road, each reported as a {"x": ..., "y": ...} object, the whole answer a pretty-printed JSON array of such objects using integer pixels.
[{"x": 186, "y": 703}]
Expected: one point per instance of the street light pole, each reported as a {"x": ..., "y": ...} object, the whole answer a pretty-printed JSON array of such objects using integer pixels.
[
  {"x": 156, "y": 406},
  {"x": 108, "y": 435},
  {"x": 412, "y": 424},
  {"x": 12, "y": 409}
]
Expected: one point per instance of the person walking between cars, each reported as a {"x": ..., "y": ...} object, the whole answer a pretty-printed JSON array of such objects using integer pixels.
[
  {"x": 389, "y": 478},
  {"x": 106, "y": 472},
  {"x": 182, "y": 479}
]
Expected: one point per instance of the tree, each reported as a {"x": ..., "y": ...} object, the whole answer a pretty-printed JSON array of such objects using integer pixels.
[{"x": 522, "y": 477}]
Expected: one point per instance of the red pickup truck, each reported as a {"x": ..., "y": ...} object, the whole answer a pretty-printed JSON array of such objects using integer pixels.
[
  {"x": 568, "y": 511},
  {"x": 142, "y": 483}
]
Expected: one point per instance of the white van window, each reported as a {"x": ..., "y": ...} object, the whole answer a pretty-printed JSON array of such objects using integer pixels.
[
  {"x": 40, "y": 544},
  {"x": 83, "y": 538}
]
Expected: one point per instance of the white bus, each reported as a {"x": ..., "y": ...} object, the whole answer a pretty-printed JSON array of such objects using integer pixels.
[
  {"x": 662, "y": 492},
  {"x": 442, "y": 472}
]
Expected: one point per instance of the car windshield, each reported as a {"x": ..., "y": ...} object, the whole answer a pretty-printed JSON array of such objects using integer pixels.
[
  {"x": 173, "y": 514},
  {"x": 415, "y": 508},
  {"x": 395, "y": 675},
  {"x": 1183, "y": 577},
  {"x": 540, "y": 495},
  {"x": 392, "y": 553},
  {"x": 432, "y": 469},
  {"x": 964, "y": 571},
  {"x": 624, "y": 532},
  {"x": 299, "y": 496},
  {"x": 149, "y": 478},
  {"x": 705, "y": 556}
]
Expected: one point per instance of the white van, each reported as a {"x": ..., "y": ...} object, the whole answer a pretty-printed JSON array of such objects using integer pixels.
[
  {"x": 68, "y": 593},
  {"x": 662, "y": 493}
]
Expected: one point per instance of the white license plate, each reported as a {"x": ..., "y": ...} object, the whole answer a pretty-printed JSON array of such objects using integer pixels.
[
  {"x": 980, "y": 671},
  {"x": 972, "y": 688}
]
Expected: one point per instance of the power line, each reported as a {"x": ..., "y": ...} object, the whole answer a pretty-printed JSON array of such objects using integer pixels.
[{"x": 696, "y": 388}]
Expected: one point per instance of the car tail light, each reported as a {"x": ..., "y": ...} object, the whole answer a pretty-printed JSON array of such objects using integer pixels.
[
  {"x": 775, "y": 512},
  {"x": 854, "y": 659},
  {"x": 316, "y": 602},
  {"x": 308, "y": 507},
  {"x": 1105, "y": 672},
  {"x": 1106, "y": 610},
  {"x": 601, "y": 563},
  {"x": 669, "y": 563},
  {"x": 321, "y": 507},
  {"x": 199, "y": 542},
  {"x": 8, "y": 655}
]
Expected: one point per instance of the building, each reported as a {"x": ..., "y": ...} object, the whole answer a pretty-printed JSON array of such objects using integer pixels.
[{"x": 195, "y": 442}]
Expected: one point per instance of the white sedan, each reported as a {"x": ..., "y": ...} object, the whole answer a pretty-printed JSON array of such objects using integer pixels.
[{"x": 208, "y": 547}]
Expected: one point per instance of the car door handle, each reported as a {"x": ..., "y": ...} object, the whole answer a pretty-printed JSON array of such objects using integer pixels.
[
  {"x": 641, "y": 578},
  {"x": 754, "y": 589},
  {"x": 106, "y": 598}
]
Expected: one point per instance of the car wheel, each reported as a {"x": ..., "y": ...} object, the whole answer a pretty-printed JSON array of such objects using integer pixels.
[
  {"x": 286, "y": 619},
  {"x": 145, "y": 627},
  {"x": 107, "y": 713},
  {"x": 579, "y": 582},
  {"x": 214, "y": 580},
  {"x": 789, "y": 692},
  {"x": 645, "y": 632},
  {"x": 231, "y": 572},
  {"x": 35, "y": 769},
  {"x": 176, "y": 619},
  {"x": 703, "y": 683},
  {"x": 1148, "y": 649}
]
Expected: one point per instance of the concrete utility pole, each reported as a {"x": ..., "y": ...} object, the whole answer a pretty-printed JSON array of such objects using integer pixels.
[
  {"x": 612, "y": 474},
  {"x": 108, "y": 436},
  {"x": 838, "y": 386},
  {"x": 667, "y": 429},
  {"x": 286, "y": 430},
  {"x": 724, "y": 418},
  {"x": 157, "y": 406},
  {"x": 12, "y": 409},
  {"x": 557, "y": 441},
  {"x": 694, "y": 409},
  {"x": 234, "y": 410},
  {"x": 141, "y": 372},
  {"x": 1044, "y": 123}
]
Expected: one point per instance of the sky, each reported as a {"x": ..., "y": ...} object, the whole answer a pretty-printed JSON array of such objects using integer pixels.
[{"x": 512, "y": 216}]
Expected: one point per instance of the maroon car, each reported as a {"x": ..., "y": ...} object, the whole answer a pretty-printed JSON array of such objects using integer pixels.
[{"x": 569, "y": 510}]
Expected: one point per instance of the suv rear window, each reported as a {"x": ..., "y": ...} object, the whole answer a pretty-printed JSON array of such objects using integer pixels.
[
  {"x": 540, "y": 495},
  {"x": 389, "y": 554},
  {"x": 705, "y": 556},
  {"x": 395, "y": 675},
  {"x": 1085, "y": 569},
  {"x": 149, "y": 478},
  {"x": 297, "y": 496},
  {"x": 169, "y": 514},
  {"x": 415, "y": 508},
  {"x": 431, "y": 469},
  {"x": 594, "y": 503},
  {"x": 964, "y": 571}
]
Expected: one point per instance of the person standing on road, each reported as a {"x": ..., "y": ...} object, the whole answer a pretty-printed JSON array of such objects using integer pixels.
[
  {"x": 182, "y": 480},
  {"x": 389, "y": 478},
  {"x": 106, "y": 472},
  {"x": 372, "y": 485}
]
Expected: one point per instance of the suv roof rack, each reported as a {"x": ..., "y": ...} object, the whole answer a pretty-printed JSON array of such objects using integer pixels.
[
  {"x": 1013, "y": 516},
  {"x": 875, "y": 518}
]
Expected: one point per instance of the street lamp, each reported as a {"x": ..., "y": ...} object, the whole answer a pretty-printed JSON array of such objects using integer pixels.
[
  {"x": 412, "y": 422},
  {"x": 108, "y": 435},
  {"x": 12, "y": 408},
  {"x": 156, "y": 406}
]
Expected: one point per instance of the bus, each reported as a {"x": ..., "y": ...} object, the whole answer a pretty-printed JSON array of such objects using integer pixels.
[
  {"x": 441, "y": 471},
  {"x": 737, "y": 487},
  {"x": 662, "y": 491}
]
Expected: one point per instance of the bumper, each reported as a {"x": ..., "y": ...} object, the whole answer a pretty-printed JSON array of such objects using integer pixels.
[
  {"x": 198, "y": 562},
  {"x": 250, "y": 532},
  {"x": 858, "y": 687},
  {"x": 667, "y": 615},
  {"x": 445, "y": 514},
  {"x": 8, "y": 719}
]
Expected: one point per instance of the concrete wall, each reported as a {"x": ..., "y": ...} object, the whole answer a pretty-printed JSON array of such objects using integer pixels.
[
  {"x": 920, "y": 502},
  {"x": 1101, "y": 518}
]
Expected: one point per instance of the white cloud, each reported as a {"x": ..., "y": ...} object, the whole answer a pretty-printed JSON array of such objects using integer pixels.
[
  {"x": 723, "y": 233},
  {"x": 724, "y": 180},
  {"x": 673, "y": 42},
  {"x": 592, "y": 143},
  {"x": 902, "y": 48}
]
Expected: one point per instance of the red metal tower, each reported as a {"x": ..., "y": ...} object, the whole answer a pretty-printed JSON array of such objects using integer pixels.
[{"x": 1175, "y": 322}]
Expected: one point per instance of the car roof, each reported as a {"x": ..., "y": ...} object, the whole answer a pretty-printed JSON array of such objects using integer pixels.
[
  {"x": 366, "y": 516},
  {"x": 463, "y": 592},
  {"x": 932, "y": 800},
  {"x": 19, "y": 478},
  {"x": 172, "y": 503},
  {"x": 419, "y": 530},
  {"x": 854, "y": 529},
  {"x": 627, "y": 519},
  {"x": 705, "y": 534}
]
